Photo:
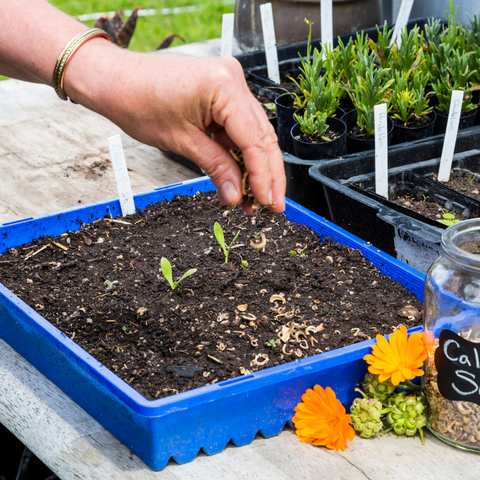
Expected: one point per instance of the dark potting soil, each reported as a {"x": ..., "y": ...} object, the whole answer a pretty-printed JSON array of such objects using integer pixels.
[
  {"x": 102, "y": 287},
  {"x": 356, "y": 132},
  {"x": 308, "y": 139},
  {"x": 285, "y": 79},
  {"x": 414, "y": 123},
  {"x": 425, "y": 207},
  {"x": 271, "y": 113},
  {"x": 466, "y": 185}
]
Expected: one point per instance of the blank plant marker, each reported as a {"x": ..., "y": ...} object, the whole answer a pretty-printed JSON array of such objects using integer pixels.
[
  {"x": 117, "y": 156},
  {"x": 227, "y": 34},
  {"x": 270, "y": 42}
]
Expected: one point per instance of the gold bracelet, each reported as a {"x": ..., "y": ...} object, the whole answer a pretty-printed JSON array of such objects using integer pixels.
[{"x": 67, "y": 53}]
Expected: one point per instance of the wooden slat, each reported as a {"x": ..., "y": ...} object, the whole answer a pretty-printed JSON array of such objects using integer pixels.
[{"x": 75, "y": 446}]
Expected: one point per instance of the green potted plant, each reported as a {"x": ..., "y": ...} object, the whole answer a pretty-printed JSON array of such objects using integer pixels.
[
  {"x": 370, "y": 87},
  {"x": 317, "y": 135},
  {"x": 411, "y": 112}
]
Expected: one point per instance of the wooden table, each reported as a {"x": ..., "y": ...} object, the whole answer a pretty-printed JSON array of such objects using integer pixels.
[{"x": 54, "y": 154}]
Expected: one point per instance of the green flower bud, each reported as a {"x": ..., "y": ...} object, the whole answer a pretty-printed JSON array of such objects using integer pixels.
[
  {"x": 366, "y": 415},
  {"x": 374, "y": 389},
  {"x": 405, "y": 415}
]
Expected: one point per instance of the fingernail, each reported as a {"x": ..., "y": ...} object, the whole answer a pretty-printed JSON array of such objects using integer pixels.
[
  {"x": 270, "y": 197},
  {"x": 228, "y": 192}
]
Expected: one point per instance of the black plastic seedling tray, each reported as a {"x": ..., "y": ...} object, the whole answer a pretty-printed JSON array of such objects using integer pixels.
[
  {"x": 305, "y": 189},
  {"x": 424, "y": 188},
  {"x": 413, "y": 240}
]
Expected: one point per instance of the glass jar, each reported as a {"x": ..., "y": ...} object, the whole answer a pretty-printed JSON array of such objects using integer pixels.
[{"x": 451, "y": 383}]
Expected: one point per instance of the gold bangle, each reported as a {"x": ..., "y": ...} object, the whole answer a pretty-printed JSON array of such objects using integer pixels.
[{"x": 67, "y": 53}]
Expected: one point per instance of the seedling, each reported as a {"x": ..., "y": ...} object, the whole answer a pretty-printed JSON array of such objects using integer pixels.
[
  {"x": 302, "y": 252},
  {"x": 218, "y": 231},
  {"x": 425, "y": 197},
  {"x": 166, "y": 269},
  {"x": 270, "y": 106},
  {"x": 409, "y": 100},
  {"x": 257, "y": 234},
  {"x": 449, "y": 219},
  {"x": 410, "y": 55},
  {"x": 292, "y": 253},
  {"x": 371, "y": 89},
  {"x": 244, "y": 265},
  {"x": 382, "y": 48},
  {"x": 343, "y": 59},
  {"x": 125, "y": 331},
  {"x": 313, "y": 123},
  {"x": 271, "y": 343},
  {"x": 470, "y": 179},
  {"x": 310, "y": 70}
]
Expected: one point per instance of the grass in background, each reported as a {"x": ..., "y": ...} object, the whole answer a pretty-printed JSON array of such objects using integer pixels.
[{"x": 196, "y": 26}]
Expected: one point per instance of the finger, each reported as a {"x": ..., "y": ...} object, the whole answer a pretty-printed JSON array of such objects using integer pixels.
[
  {"x": 233, "y": 107},
  {"x": 224, "y": 140},
  {"x": 218, "y": 165},
  {"x": 279, "y": 181}
]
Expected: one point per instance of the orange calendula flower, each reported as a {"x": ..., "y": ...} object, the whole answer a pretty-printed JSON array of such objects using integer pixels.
[
  {"x": 400, "y": 358},
  {"x": 322, "y": 419}
]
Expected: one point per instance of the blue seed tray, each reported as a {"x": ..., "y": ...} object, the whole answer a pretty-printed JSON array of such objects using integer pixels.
[{"x": 206, "y": 418}]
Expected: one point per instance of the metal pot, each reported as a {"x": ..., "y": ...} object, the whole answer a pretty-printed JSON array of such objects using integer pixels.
[{"x": 289, "y": 16}]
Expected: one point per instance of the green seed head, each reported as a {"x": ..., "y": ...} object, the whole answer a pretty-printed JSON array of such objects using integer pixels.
[
  {"x": 366, "y": 415},
  {"x": 374, "y": 389}
]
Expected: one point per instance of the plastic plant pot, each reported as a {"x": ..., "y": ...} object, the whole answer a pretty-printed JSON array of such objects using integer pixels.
[
  {"x": 285, "y": 121},
  {"x": 402, "y": 134},
  {"x": 322, "y": 150},
  {"x": 358, "y": 144},
  {"x": 181, "y": 425},
  {"x": 466, "y": 121}
]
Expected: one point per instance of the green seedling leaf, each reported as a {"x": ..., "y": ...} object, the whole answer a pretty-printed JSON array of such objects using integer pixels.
[
  {"x": 270, "y": 106},
  {"x": 167, "y": 271},
  {"x": 218, "y": 231},
  {"x": 125, "y": 331},
  {"x": 166, "y": 268},
  {"x": 292, "y": 253},
  {"x": 244, "y": 265},
  {"x": 271, "y": 343},
  {"x": 449, "y": 219},
  {"x": 186, "y": 275}
]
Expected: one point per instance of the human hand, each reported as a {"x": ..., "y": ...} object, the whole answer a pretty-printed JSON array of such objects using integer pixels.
[{"x": 173, "y": 101}]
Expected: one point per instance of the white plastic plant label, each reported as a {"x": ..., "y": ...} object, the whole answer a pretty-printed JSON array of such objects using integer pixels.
[
  {"x": 381, "y": 150},
  {"x": 117, "y": 156},
  {"x": 227, "y": 34},
  {"x": 270, "y": 42},
  {"x": 326, "y": 22},
  {"x": 454, "y": 115},
  {"x": 402, "y": 20}
]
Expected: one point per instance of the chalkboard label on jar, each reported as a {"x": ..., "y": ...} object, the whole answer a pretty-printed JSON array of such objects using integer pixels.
[{"x": 458, "y": 364}]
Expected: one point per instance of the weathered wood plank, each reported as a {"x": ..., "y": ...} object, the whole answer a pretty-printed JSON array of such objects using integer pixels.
[
  {"x": 54, "y": 154},
  {"x": 75, "y": 446}
]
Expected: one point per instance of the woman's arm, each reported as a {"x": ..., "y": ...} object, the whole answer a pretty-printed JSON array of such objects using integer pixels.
[{"x": 167, "y": 101}]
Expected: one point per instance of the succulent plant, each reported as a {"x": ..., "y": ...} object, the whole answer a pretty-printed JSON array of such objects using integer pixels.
[
  {"x": 314, "y": 123},
  {"x": 371, "y": 88},
  {"x": 382, "y": 48},
  {"x": 366, "y": 415},
  {"x": 119, "y": 32}
]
